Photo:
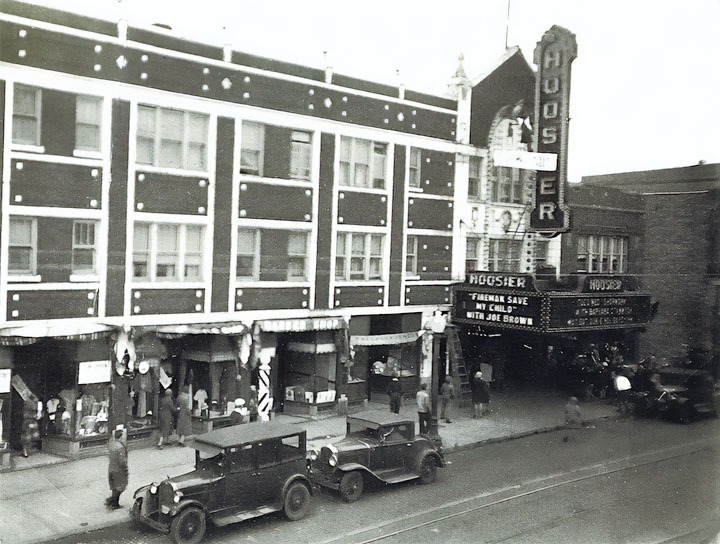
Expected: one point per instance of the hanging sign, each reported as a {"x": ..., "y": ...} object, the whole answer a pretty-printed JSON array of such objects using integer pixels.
[
  {"x": 525, "y": 160},
  {"x": 553, "y": 55},
  {"x": 94, "y": 372},
  {"x": 385, "y": 339},
  {"x": 5, "y": 374},
  {"x": 21, "y": 387}
]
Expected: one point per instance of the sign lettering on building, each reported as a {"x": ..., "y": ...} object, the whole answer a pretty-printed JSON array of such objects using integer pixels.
[
  {"x": 601, "y": 310},
  {"x": 553, "y": 55},
  {"x": 500, "y": 281},
  {"x": 299, "y": 325},
  {"x": 500, "y": 310}
]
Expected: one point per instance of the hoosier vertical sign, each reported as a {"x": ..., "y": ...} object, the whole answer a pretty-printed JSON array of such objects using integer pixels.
[{"x": 553, "y": 56}]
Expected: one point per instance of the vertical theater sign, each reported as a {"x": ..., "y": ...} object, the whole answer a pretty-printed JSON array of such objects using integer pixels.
[{"x": 553, "y": 56}]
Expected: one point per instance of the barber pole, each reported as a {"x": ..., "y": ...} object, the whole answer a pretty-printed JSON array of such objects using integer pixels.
[{"x": 264, "y": 400}]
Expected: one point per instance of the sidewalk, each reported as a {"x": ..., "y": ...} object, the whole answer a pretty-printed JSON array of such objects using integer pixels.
[{"x": 41, "y": 503}]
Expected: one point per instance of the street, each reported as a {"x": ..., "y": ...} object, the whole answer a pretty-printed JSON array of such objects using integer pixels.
[{"x": 630, "y": 480}]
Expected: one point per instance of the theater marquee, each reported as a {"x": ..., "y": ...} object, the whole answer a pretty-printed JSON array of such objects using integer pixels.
[{"x": 553, "y": 55}]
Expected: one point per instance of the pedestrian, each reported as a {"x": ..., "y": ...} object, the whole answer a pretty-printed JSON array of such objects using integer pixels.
[
  {"x": 423, "y": 403},
  {"x": 167, "y": 411},
  {"x": 480, "y": 395},
  {"x": 253, "y": 404},
  {"x": 240, "y": 414},
  {"x": 623, "y": 389},
  {"x": 117, "y": 469},
  {"x": 448, "y": 393},
  {"x": 573, "y": 419},
  {"x": 395, "y": 392},
  {"x": 184, "y": 418},
  {"x": 30, "y": 428}
]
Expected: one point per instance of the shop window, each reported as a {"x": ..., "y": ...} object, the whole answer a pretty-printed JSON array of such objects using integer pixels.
[
  {"x": 602, "y": 254},
  {"x": 248, "y": 255},
  {"x": 297, "y": 256},
  {"x": 84, "y": 250},
  {"x": 504, "y": 255},
  {"x": 252, "y": 146},
  {"x": 472, "y": 255},
  {"x": 359, "y": 257},
  {"x": 474, "y": 177},
  {"x": 22, "y": 246},
  {"x": 167, "y": 252},
  {"x": 362, "y": 163},
  {"x": 88, "y": 117},
  {"x": 300, "y": 155},
  {"x": 171, "y": 138},
  {"x": 411, "y": 256},
  {"x": 26, "y": 115},
  {"x": 415, "y": 168}
]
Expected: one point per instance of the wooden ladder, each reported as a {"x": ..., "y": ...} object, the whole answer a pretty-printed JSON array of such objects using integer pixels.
[{"x": 457, "y": 362}]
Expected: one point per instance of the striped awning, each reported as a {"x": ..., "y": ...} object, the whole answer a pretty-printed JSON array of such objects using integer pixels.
[{"x": 77, "y": 331}]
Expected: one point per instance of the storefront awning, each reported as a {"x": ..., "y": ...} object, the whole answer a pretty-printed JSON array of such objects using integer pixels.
[
  {"x": 385, "y": 339},
  {"x": 301, "y": 325},
  {"x": 176, "y": 331},
  {"x": 21, "y": 336}
]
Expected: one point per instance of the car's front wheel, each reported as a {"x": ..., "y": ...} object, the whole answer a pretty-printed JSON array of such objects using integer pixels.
[
  {"x": 297, "y": 501},
  {"x": 351, "y": 486},
  {"x": 188, "y": 527},
  {"x": 428, "y": 469},
  {"x": 135, "y": 514}
]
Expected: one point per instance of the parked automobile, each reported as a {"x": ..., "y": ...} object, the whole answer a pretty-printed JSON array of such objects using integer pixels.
[
  {"x": 378, "y": 446},
  {"x": 678, "y": 393},
  {"x": 241, "y": 472}
]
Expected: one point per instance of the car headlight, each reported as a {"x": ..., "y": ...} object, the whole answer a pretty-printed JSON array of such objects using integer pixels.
[
  {"x": 177, "y": 497},
  {"x": 313, "y": 455},
  {"x": 334, "y": 457},
  {"x": 153, "y": 489}
]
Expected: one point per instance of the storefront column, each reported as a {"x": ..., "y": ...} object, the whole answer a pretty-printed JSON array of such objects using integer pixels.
[{"x": 6, "y": 365}]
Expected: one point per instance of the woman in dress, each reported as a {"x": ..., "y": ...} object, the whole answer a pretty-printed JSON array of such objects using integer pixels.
[
  {"x": 184, "y": 419},
  {"x": 167, "y": 411},
  {"x": 30, "y": 428}
]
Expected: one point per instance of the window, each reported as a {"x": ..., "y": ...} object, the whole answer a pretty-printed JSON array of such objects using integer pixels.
[
  {"x": 172, "y": 138},
  {"x": 541, "y": 253},
  {"x": 411, "y": 256},
  {"x": 602, "y": 254},
  {"x": 297, "y": 256},
  {"x": 359, "y": 257},
  {"x": 241, "y": 458},
  {"x": 292, "y": 448},
  {"x": 267, "y": 453},
  {"x": 22, "y": 245},
  {"x": 26, "y": 115},
  {"x": 474, "y": 177},
  {"x": 415, "y": 167},
  {"x": 248, "y": 255},
  {"x": 300, "y": 155},
  {"x": 504, "y": 255},
  {"x": 251, "y": 154},
  {"x": 166, "y": 252},
  {"x": 83, "y": 249},
  {"x": 509, "y": 184},
  {"x": 472, "y": 255},
  {"x": 362, "y": 163},
  {"x": 88, "y": 116}
]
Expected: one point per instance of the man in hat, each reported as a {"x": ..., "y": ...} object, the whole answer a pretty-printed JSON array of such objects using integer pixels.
[
  {"x": 117, "y": 469},
  {"x": 395, "y": 392},
  {"x": 480, "y": 395}
]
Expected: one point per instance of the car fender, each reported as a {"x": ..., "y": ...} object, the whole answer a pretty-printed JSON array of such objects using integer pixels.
[
  {"x": 183, "y": 504},
  {"x": 349, "y": 467},
  {"x": 297, "y": 478},
  {"x": 434, "y": 454}
]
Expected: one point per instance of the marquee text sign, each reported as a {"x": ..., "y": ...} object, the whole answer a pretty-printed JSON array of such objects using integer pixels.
[
  {"x": 554, "y": 54},
  {"x": 520, "y": 310},
  {"x": 599, "y": 311}
]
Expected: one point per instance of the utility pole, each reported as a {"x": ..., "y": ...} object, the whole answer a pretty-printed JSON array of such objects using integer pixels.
[{"x": 507, "y": 24}]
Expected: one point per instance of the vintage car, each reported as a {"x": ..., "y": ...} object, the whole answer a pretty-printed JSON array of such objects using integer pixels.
[
  {"x": 678, "y": 393},
  {"x": 241, "y": 472},
  {"x": 378, "y": 446}
]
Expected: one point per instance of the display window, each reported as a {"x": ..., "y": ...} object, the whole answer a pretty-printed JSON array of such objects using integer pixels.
[{"x": 310, "y": 367}]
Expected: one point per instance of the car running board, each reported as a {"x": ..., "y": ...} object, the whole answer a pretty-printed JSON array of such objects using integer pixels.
[
  {"x": 396, "y": 476},
  {"x": 233, "y": 517}
]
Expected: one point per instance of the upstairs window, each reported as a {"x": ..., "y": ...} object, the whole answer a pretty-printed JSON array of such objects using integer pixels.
[
  {"x": 297, "y": 256},
  {"x": 88, "y": 117},
  {"x": 509, "y": 184},
  {"x": 362, "y": 163},
  {"x": 22, "y": 246},
  {"x": 300, "y": 155},
  {"x": 359, "y": 257},
  {"x": 26, "y": 115},
  {"x": 248, "y": 255},
  {"x": 472, "y": 255},
  {"x": 166, "y": 252},
  {"x": 172, "y": 138},
  {"x": 252, "y": 146},
  {"x": 602, "y": 254},
  {"x": 504, "y": 255},
  {"x": 84, "y": 250},
  {"x": 415, "y": 168},
  {"x": 411, "y": 256},
  {"x": 474, "y": 177},
  {"x": 541, "y": 253}
]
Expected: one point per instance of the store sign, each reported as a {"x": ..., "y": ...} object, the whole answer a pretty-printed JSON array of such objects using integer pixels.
[
  {"x": 300, "y": 325},
  {"x": 603, "y": 284},
  {"x": 385, "y": 339},
  {"x": 501, "y": 310},
  {"x": 525, "y": 160},
  {"x": 599, "y": 311},
  {"x": 94, "y": 372},
  {"x": 553, "y": 55},
  {"x": 21, "y": 387},
  {"x": 500, "y": 281},
  {"x": 5, "y": 374}
]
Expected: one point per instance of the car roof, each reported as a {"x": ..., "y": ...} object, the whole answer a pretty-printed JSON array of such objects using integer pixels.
[
  {"x": 248, "y": 432},
  {"x": 379, "y": 417}
]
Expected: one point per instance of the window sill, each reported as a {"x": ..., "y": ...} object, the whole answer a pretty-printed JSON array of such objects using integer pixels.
[
  {"x": 412, "y": 277},
  {"x": 370, "y": 190},
  {"x": 140, "y": 168},
  {"x": 28, "y": 148},
  {"x": 415, "y": 190},
  {"x": 86, "y": 154},
  {"x": 20, "y": 278},
  {"x": 84, "y": 278},
  {"x": 146, "y": 284},
  {"x": 359, "y": 283}
]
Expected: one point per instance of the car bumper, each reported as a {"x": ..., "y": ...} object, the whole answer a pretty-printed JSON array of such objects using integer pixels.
[{"x": 323, "y": 479}]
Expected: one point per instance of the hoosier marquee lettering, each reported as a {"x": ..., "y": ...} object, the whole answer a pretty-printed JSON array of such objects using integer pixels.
[{"x": 553, "y": 56}]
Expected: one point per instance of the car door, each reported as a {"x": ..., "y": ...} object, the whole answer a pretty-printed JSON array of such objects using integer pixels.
[
  {"x": 238, "y": 476},
  {"x": 390, "y": 453},
  {"x": 266, "y": 480}
]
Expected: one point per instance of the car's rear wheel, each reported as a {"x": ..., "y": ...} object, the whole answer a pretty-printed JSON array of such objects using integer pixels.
[
  {"x": 428, "y": 469},
  {"x": 297, "y": 501},
  {"x": 188, "y": 527},
  {"x": 351, "y": 486}
]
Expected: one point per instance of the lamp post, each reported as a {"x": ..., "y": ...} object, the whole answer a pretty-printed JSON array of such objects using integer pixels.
[{"x": 437, "y": 326}]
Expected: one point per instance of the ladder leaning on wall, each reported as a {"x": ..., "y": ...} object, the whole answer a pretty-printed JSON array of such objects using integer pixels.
[{"x": 457, "y": 363}]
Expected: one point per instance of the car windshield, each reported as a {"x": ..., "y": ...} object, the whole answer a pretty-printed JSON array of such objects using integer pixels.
[
  {"x": 360, "y": 429},
  {"x": 207, "y": 452}
]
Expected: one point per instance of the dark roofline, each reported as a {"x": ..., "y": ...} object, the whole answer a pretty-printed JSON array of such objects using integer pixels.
[
  {"x": 696, "y": 172},
  {"x": 159, "y": 37}
]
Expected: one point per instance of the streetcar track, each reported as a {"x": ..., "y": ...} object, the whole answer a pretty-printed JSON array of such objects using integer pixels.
[{"x": 585, "y": 473}]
